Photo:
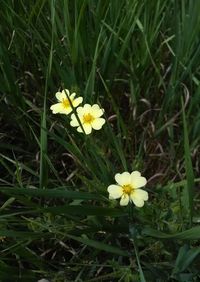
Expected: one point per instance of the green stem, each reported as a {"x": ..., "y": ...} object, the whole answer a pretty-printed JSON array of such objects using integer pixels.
[
  {"x": 142, "y": 278},
  {"x": 133, "y": 233}
]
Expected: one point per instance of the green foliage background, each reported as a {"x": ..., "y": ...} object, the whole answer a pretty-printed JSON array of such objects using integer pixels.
[{"x": 139, "y": 60}]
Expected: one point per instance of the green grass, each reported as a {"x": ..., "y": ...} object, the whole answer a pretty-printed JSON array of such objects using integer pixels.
[{"x": 139, "y": 60}]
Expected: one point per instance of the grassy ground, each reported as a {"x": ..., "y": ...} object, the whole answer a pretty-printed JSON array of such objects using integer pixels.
[{"x": 139, "y": 60}]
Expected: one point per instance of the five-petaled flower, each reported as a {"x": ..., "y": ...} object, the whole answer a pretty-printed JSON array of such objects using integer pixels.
[
  {"x": 89, "y": 118},
  {"x": 64, "y": 106},
  {"x": 127, "y": 188}
]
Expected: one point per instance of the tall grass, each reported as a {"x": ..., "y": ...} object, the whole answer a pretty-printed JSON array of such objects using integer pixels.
[{"x": 138, "y": 60}]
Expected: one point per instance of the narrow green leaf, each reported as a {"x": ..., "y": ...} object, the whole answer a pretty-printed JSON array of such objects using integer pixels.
[
  {"x": 7, "y": 203},
  {"x": 190, "y": 234},
  {"x": 83, "y": 210},
  {"x": 98, "y": 245},
  {"x": 189, "y": 187},
  {"x": 185, "y": 258},
  {"x": 50, "y": 193}
]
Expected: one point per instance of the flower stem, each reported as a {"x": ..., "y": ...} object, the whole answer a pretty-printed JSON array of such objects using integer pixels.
[
  {"x": 142, "y": 278},
  {"x": 133, "y": 238}
]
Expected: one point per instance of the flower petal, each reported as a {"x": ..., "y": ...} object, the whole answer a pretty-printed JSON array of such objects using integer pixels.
[
  {"x": 124, "y": 200},
  {"x": 56, "y": 108},
  {"x": 123, "y": 178},
  {"x": 115, "y": 191},
  {"x": 61, "y": 95},
  {"x": 77, "y": 101},
  {"x": 138, "y": 202},
  {"x": 74, "y": 121},
  {"x": 135, "y": 173},
  {"x": 138, "y": 197},
  {"x": 97, "y": 111},
  {"x": 97, "y": 123},
  {"x": 87, "y": 128},
  {"x": 71, "y": 96},
  {"x": 137, "y": 180},
  {"x": 79, "y": 129},
  {"x": 139, "y": 194},
  {"x": 87, "y": 108},
  {"x": 80, "y": 111},
  {"x": 66, "y": 111}
]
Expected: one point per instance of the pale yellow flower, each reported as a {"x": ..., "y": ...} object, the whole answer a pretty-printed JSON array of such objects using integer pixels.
[
  {"x": 90, "y": 118},
  {"x": 63, "y": 106},
  {"x": 127, "y": 188}
]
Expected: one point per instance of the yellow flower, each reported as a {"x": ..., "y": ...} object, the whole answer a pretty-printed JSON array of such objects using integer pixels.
[
  {"x": 127, "y": 188},
  {"x": 63, "y": 106},
  {"x": 90, "y": 118}
]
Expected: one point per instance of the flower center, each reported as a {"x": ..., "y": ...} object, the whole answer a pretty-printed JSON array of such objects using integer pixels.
[
  {"x": 127, "y": 189},
  {"x": 88, "y": 118},
  {"x": 65, "y": 103}
]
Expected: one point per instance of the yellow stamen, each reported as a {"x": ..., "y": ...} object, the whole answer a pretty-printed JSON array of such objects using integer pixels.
[
  {"x": 127, "y": 189},
  {"x": 88, "y": 118},
  {"x": 65, "y": 103}
]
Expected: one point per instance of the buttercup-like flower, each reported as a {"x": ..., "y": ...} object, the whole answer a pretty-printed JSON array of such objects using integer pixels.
[
  {"x": 63, "y": 106},
  {"x": 127, "y": 188},
  {"x": 90, "y": 118}
]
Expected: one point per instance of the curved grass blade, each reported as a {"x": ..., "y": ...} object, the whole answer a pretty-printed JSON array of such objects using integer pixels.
[
  {"x": 190, "y": 234},
  {"x": 99, "y": 245}
]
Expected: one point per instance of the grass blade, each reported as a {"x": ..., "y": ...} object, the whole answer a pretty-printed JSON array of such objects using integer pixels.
[{"x": 189, "y": 187}]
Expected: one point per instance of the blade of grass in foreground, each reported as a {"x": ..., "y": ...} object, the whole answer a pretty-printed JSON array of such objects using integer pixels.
[
  {"x": 50, "y": 193},
  {"x": 185, "y": 257},
  {"x": 189, "y": 187},
  {"x": 43, "y": 148},
  {"x": 190, "y": 234},
  {"x": 99, "y": 245},
  {"x": 43, "y": 132},
  {"x": 142, "y": 278}
]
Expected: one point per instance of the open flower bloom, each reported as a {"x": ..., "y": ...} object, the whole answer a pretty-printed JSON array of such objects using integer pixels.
[
  {"x": 128, "y": 188},
  {"x": 63, "y": 106},
  {"x": 90, "y": 118}
]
